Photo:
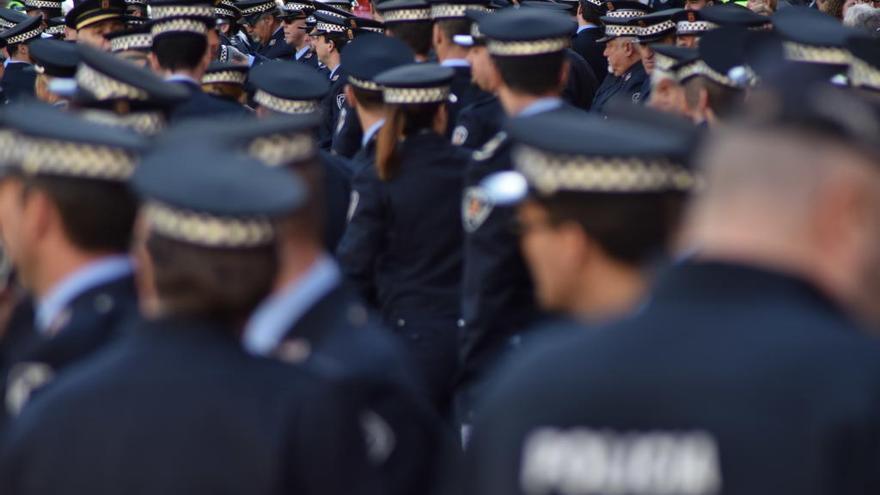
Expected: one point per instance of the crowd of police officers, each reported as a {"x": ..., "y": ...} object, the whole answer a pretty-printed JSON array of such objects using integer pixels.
[{"x": 547, "y": 247}]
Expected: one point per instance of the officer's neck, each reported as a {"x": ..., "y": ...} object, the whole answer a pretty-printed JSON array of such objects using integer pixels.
[
  {"x": 297, "y": 255},
  {"x": 608, "y": 290},
  {"x": 515, "y": 102},
  {"x": 58, "y": 266},
  {"x": 368, "y": 117}
]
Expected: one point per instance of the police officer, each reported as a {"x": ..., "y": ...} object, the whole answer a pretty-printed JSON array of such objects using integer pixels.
[
  {"x": 312, "y": 311},
  {"x": 293, "y": 18},
  {"x": 626, "y": 72},
  {"x": 68, "y": 184},
  {"x": 44, "y": 9},
  {"x": 410, "y": 22},
  {"x": 497, "y": 298},
  {"x": 132, "y": 44},
  {"x": 666, "y": 93},
  {"x": 226, "y": 81},
  {"x": 262, "y": 426},
  {"x": 264, "y": 18},
  {"x": 114, "y": 92},
  {"x": 689, "y": 27},
  {"x": 55, "y": 62},
  {"x": 19, "y": 75},
  {"x": 93, "y": 19},
  {"x": 411, "y": 194},
  {"x": 180, "y": 45},
  {"x": 586, "y": 39},
  {"x": 329, "y": 37},
  {"x": 365, "y": 58},
  {"x": 481, "y": 120},
  {"x": 654, "y": 29},
  {"x": 450, "y": 19},
  {"x": 670, "y": 381}
]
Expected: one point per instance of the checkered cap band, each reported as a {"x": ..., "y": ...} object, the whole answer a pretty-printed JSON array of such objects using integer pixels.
[
  {"x": 82, "y": 160},
  {"x": 146, "y": 123},
  {"x": 798, "y": 52},
  {"x": 625, "y": 13},
  {"x": 178, "y": 25},
  {"x": 165, "y": 11},
  {"x": 283, "y": 149},
  {"x": 283, "y": 105},
  {"x": 364, "y": 84},
  {"x": 549, "y": 173},
  {"x": 224, "y": 12},
  {"x": 701, "y": 68},
  {"x": 298, "y": 6},
  {"x": 617, "y": 30},
  {"x": 864, "y": 75},
  {"x": 328, "y": 27},
  {"x": 225, "y": 77},
  {"x": 698, "y": 27},
  {"x": 453, "y": 11},
  {"x": 527, "y": 48},
  {"x": 42, "y": 4},
  {"x": 647, "y": 31},
  {"x": 103, "y": 87},
  {"x": 403, "y": 96},
  {"x": 207, "y": 230},
  {"x": 25, "y": 36},
  {"x": 407, "y": 15},
  {"x": 135, "y": 41},
  {"x": 258, "y": 9},
  {"x": 4, "y": 24},
  {"x": 55, "y": 30}
]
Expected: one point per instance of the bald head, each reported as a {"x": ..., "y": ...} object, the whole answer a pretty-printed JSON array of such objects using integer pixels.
[{"x": 793, "y": 201}]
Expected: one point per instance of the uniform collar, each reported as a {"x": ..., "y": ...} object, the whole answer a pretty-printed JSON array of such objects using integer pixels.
[
  {"x": 333, "y": 71},
  {"x": 371, "y": 131},
  {"x": 94, "y": 274},
  {"x": 180, "y": 78},
  {"x": 584, "y": 28},
  {"x": 541, "y": 105},
  {"x": 280, "y": 312},
  {"x": 455, "y": 62},
  {"x": 302, "y": 51}
]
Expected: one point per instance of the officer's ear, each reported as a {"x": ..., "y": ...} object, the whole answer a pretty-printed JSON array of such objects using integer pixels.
[{"x": 436, "y": 35}]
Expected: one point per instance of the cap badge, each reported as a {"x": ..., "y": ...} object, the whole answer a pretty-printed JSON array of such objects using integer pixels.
[{"x": 475, "y": 208}]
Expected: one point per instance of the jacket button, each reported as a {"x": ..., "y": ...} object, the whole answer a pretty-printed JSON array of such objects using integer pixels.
[{"x": 401, "y": 322}]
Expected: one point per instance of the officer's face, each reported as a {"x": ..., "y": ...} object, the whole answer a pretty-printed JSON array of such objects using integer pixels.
[
  {"x": 10, "y": 217},
  {"x": 668, "y": 96},
  {"x": 647, "y": 56},
  {"x": 323, "y": 48},
  {"x": 294, "y": 34},
  {"x": 263, "y": 28},
  {"x": 483, "y": 71},
  {"x": 94, "y": 35},
  {"x": 687, "y": 41},
  {"x": 549, "y": 252},
  {"x": 696, "y": 4},
  {"x": 619, "y": 53}
]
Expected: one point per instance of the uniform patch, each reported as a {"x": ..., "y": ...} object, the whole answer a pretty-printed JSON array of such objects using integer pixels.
[
  {"x": 488, "y": 149},
  {"x": 476, "y": 207},
  {"x": 340, "y": 100},
  {"x": 459, "y": 135},
  {"x": 24, "y": 379},
  {"x": 353, "y": 204},
  {"x": 379, "y": 437},
  {"x": 636, "y": 96}
]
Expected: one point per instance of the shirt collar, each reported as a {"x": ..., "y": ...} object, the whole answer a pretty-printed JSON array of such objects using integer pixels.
[
  {"x": 371, "y": 131},
  {"x": 302, "y": 51},
  {"x": 9, "y": 61},
  {"x": 584, "y": 28},
  {"x": 455, "y": 62},
  {"x": 541, "y": 105},
  {"x": 88, "y": 277},
  {"x": 333, "y": 71},
  {"x": 182, "y": 78},
  {"x": 279, "y": 313}
]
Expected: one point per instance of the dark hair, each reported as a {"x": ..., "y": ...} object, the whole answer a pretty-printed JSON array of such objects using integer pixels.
[
  {"x": 590, "y": 12},
  {"x": 401, "y": 121},
  {"x": 417, "y": 35},
  {"x": 96, "y": 215},
  {"x": 181, "y": 51},
  {"x": 534, "y": 75},
  {"x": 339, "y": 40},
  {"x": 13, "y": 49},
  {"x": 308, "y": 220},
  {"x": 370, "y": 100},
  {"x": 220, "y": 284},
  {"x": 630, "y": 229},
  {"x": 723, "y": 100},
  {"x": 451, "y": 27}
]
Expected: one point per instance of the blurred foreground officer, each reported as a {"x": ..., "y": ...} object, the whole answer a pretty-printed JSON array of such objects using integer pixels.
[
  {"x": 590, "y": 241},
  {"x": 311, "y": 311},
  {"x": 206, "y": 418},
  {"x": 391, "y": 251},
  {"x": 19, "y": 74},
  {"x": 55, "y": 63},
  {"x": 180, "y": 54},
  {"x": 667, "y": 94},
  {"x": 66, "y": 226},
  {"x": 745, "y": 372},
  {"x": 497, "y": 293}
]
